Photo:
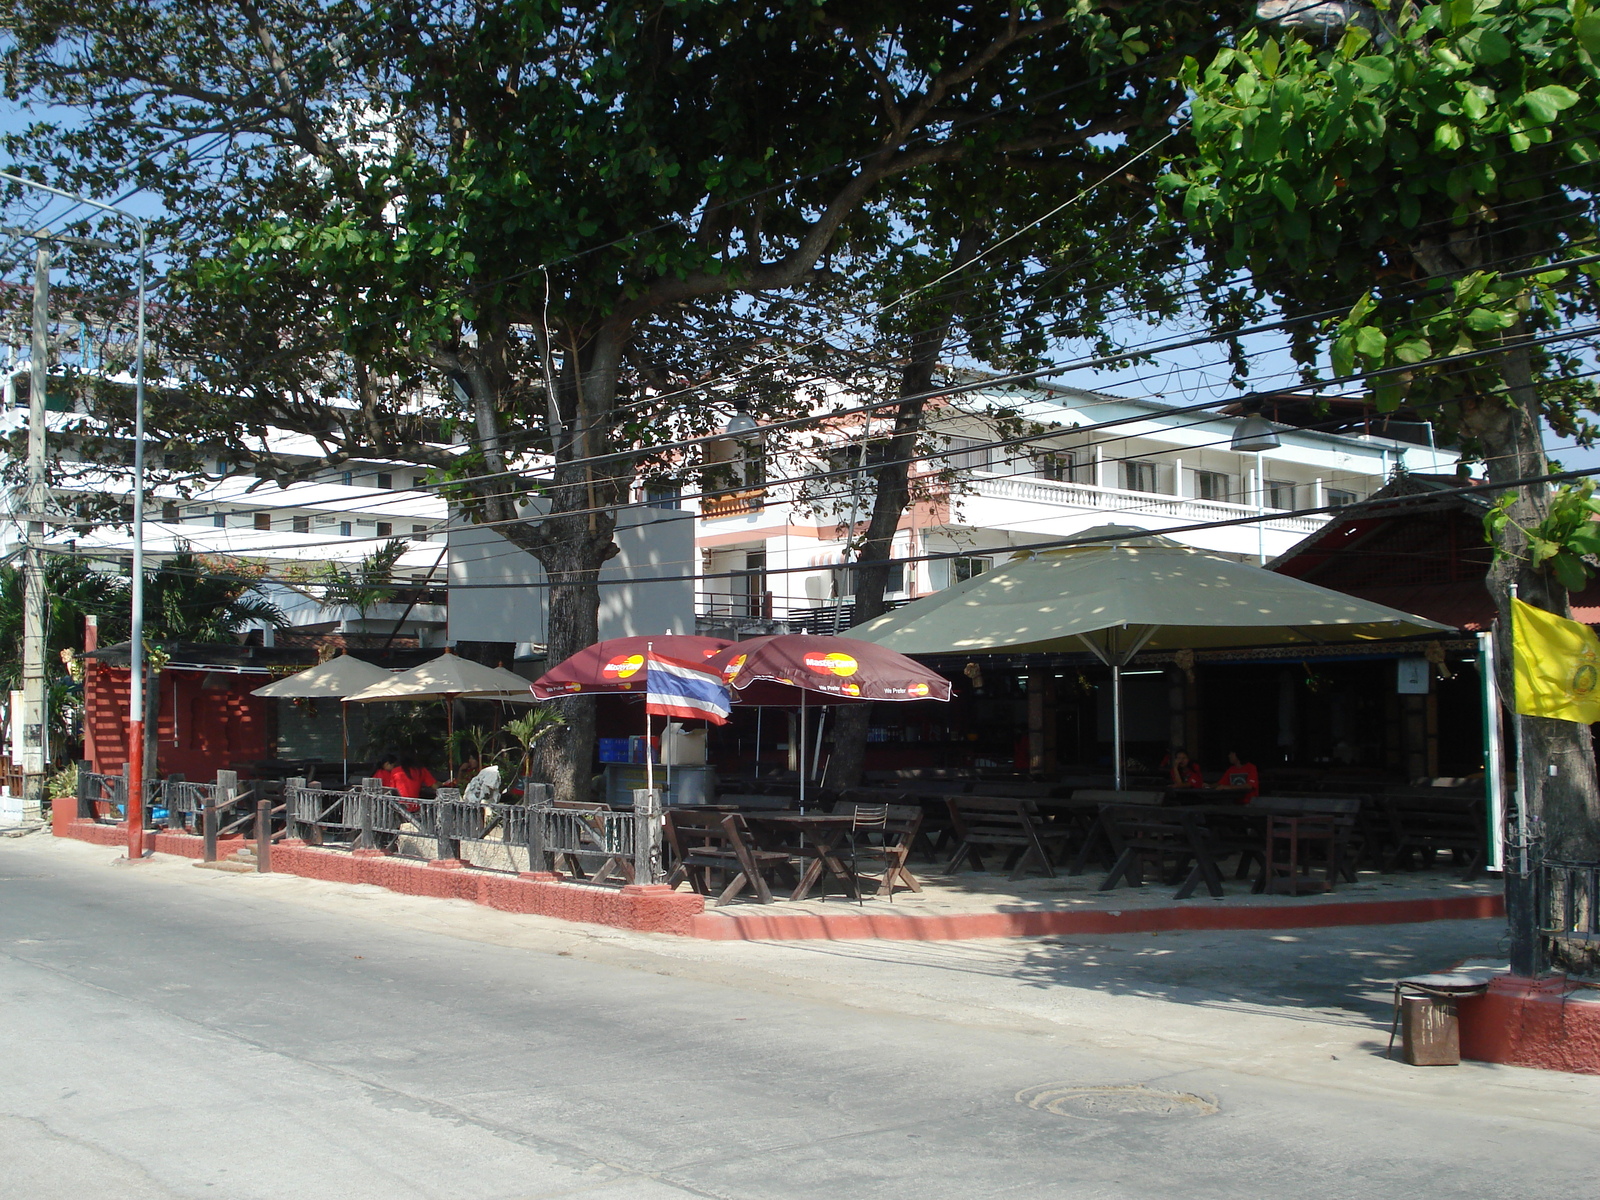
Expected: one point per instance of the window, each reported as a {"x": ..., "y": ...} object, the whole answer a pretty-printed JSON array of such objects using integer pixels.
[
  {"x": 344, "y": 528},
  {"x": 420, "y": 532},
  {"x": 1338, "y": 499},
  {"x": 1210, "y": 485},
  {"x": 847, "y": 580},
  {"x": 169, "y": 461},
  {"x": 302, "y": 524},
  {"x": 1059, "y": 465},
  {"x": 1279, "y": 494},
  {"x": 419, "y": 481},
  {"x": 220, "y": 520},
  {"x": 963, "y": 458},
  {"x": 347, "y": 478},
  {"x": 662, "y": 494},
  {"x": 169, "y": 511},
  {"x": 385, "y": 529},
  {"x": 967, "y": 567},
  {"x": 385, "y": 480},
  {"x": 222, "y": 466},
  {"x": 1139, "y": 476},
  {"x": 264, "y": 521}
]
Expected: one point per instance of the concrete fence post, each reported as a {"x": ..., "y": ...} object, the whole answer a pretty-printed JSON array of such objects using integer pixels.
[
  {"x": 264, "y": 836},
  {"x": 647, "y": 836},
  {"x": 291, "y": 827}
]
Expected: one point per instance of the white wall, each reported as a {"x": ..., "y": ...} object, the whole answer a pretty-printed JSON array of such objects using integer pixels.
[{"x": 655, "y": 544}]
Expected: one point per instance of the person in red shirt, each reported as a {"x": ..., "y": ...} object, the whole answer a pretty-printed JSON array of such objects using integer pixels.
[
  {"x": 1241, "y": 774},
  {"x": 406, "y": 776},
  {"x": 1184, "y": 773}
]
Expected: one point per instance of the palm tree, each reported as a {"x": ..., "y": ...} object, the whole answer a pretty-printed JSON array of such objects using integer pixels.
[
  {"x": 370, "y": 582},
  {"x": 191, "y": 598}
]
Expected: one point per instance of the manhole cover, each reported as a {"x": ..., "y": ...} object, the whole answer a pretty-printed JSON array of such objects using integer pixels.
[{"x": 1115, "y": 1100}]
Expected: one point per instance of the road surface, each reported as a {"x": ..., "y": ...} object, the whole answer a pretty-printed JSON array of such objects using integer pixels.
[{"x": 172, "y": 1032}]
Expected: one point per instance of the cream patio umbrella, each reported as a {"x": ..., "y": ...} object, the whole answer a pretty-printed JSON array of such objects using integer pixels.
[
  {"x": 1133, "y": 591},
  {"x": 449, "y": 678},
  {"x": 335, "y": 679}
]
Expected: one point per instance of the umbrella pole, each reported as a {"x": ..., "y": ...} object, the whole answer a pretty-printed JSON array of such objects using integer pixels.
[
  {"x": 802, "y": 741},
  {"x": 1116, "y": 724},
  {"x": 756, "y": 773},
  {"x": 450, "y": 733},
  {"x": 649, "y": 762},
  {"x": 344, "y": 739}
]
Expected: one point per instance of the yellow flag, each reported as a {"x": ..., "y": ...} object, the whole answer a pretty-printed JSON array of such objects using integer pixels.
[{"x": 1557, "y": 665}]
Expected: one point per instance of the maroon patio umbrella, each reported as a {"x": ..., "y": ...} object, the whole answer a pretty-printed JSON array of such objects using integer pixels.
[
  {"x": 617, "y": 664},
  {"x": 808, "y": 669}
]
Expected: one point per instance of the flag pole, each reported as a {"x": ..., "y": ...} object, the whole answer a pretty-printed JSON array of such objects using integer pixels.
[{"x": 649, "y": 764}]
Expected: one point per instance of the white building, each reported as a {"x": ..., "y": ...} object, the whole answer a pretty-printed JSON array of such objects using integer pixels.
[
  {"x": 1073, "y": 459},
  {"x": 337, "y": 515}
]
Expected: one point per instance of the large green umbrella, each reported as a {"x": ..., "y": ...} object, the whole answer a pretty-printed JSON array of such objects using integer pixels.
[{"x": 1134, "y": 591}]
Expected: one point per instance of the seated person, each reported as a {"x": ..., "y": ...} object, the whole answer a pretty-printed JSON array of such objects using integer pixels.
[
  {"x": 406, "y": 776},
  {"x": 1241, "y": 774},
  {"x": 468, "y": 770},
  {"x": 1183, "y": 773}
]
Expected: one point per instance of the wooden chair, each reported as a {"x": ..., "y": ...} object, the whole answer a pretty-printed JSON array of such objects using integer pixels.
[
  {"x": 704, "y": 842},
  {"x": 588, "y": 825},
  {"x": 1014, "y": 824},
  {"x": 896, "y": 832}
]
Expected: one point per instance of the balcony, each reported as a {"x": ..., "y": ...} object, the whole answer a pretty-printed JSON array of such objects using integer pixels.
[
  {"x": 732, "y": 504},
  {"x": 1119, "y": 502}
]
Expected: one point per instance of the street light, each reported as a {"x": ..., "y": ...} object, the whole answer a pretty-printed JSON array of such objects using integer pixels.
[
  {"x": 742, "y": 426},
  {"x": 136, "y": 622}
]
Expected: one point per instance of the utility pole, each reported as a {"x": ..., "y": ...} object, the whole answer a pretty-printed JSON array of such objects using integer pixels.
[{"x": 35, "y": 738}]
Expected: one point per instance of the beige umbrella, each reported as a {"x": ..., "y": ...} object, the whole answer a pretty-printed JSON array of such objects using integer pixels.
[
  {"x": 448, "y": 677},
  {"x": 335, "y": 679},
  {"x": 1132, "y": 592}
]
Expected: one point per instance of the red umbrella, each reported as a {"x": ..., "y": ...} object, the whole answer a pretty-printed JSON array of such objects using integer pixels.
[
  {"x": 806, "y": 669},
  {"x": 828, "y": 670},
  {"x": 617, "y": 664}
]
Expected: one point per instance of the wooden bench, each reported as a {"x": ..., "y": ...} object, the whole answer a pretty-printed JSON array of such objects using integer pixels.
[
  {"x": 707, "y": 842},
  {"x": 1167, "y": 839},
  {"x": 1424, "y": 822},
  {"x": 992, "y": 822},
  {"x": 1092, "y": 840}
]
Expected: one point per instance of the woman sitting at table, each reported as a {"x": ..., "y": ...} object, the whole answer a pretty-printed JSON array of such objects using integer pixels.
[
  {"x": 1184, "y": 773},
  {"x": 1241, "y": 774},
  {"x": 405, "y": 775}
]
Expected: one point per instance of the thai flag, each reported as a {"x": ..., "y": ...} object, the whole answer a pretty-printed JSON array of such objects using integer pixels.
[{"x": 676, "y": 689}]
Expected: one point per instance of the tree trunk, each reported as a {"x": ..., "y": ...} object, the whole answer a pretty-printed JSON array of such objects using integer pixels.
[
  {"x": 1559, "y": 775},
  {"x": 890, "y": 501}
]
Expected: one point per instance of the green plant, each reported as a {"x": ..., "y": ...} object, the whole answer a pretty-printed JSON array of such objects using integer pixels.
[
  {"x": 476, "y": 739},
  {"x": 530, "y": 729},
  {"x": 63, "y": 784},
  {"x": 370, "y": 582},
  {"x": 416, "y": 728},
  {"x": 1563, "y": 541}
]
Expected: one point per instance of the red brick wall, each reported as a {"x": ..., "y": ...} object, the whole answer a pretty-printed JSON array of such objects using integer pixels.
[{"x": 205, "y": 721}]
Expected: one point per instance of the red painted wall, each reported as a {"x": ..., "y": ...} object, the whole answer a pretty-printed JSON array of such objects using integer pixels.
[{"x": 205, "y": 722}]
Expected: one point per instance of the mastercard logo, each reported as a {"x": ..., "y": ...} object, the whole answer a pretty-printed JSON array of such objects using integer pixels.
[
  {"x": 851, "y": 689},
  {"x": 735, "y": 665},
  {"x": 623, "y": 666},
  {"x": 917, "y": 689},
  {"x": 832, "y": 663}
]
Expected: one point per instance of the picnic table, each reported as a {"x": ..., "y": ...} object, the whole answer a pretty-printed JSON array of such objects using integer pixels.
[{"x": 813, "y": 836}]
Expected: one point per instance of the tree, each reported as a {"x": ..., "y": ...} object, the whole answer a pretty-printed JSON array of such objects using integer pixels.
[
  {"x": 73, "y": 591},
  {"x": 370, "y": 582},
  {"x": 476, "y": 236},
  {"x": 1428, "y": 178},
  {"x": 200, "y": 598}
]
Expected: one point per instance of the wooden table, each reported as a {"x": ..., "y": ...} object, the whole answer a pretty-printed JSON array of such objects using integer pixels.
[{"x": 807, "y": 835}]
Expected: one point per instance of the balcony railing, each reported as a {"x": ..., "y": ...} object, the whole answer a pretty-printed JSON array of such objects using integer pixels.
[
  {"x": 1180, "y": 509},
  {"x": 733, "y": 504}
]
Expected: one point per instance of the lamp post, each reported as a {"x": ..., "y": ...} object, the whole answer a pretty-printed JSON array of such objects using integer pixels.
[{"x": 136, "y": 696}]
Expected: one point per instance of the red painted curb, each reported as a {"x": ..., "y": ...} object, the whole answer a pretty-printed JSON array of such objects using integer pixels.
[
  {"x": 645, "y": 910},
  {"x": 658, "y": 909},
  {"x": 1551, "y": 1024},
  {"x": 745, "y": 926}
]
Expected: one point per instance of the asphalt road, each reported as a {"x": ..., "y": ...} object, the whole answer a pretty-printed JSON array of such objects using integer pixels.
[{"x": 160, "y": 1038}]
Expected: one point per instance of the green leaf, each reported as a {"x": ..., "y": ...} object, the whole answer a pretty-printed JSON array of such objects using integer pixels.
[
  {"x": 1374, "y": 69},
  {"x": 1371, "y": 342},
  {"x": 1485, "y": 320},
  {"x": 1587, "y": 31},
  {"x": 1447, "y": 137},
  {"x": 1412, "y": 350},
  {"x": 1546, "y": 103},
  {"x": 1570, "y": 571}
]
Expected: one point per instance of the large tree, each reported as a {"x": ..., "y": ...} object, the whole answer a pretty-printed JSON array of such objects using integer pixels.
[
  {"x": 1420, "y": 190},
  {"x": 544, "y": 205}
]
